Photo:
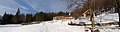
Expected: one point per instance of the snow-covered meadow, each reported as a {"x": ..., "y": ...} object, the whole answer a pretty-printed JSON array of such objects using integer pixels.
[{"x": 44, "y": 27}]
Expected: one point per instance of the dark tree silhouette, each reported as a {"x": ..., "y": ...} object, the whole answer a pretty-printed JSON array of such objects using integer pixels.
[
  {"x": 29, "y": 18},
  {"x": 17, "y": 18},
  {"x": 7, "y": 19}
]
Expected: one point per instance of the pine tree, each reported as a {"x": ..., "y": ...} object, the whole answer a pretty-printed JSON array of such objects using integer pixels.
[
  {"x": 4, "y": 18},
  {"x": 17, "y": 18},
  {"x": 36, "y": 17},
  {"x": 7, "y": 18},
  {"x": 10, "y": 16},
  {"x": 22, "y": 18},
  {"x": 18, "y": 12},
  {"x": 39, "y": 16},
  {"x": 29, "y": 18},
  {"x": 61, "y": 13},
  {"x": 48, "y": 16}
]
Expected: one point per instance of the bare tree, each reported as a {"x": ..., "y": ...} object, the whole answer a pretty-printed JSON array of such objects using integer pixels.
[
  {"x": 118, "y": 9},
  {"x": 94, "y": 6}
]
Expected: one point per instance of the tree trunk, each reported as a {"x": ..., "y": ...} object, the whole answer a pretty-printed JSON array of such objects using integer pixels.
[
  {"x": 92, "y": 20},
  {"x": 118, "y": 9},
  {"x": 119, "y": 18}
]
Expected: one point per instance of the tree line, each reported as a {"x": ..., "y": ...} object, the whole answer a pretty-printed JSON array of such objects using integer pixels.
[{"x": 19, "y": 18}]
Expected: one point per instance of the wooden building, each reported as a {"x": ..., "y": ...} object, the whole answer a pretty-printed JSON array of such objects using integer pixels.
[
  {"x": 63, "y": 18},
  {"x": 86, "y": 14}
]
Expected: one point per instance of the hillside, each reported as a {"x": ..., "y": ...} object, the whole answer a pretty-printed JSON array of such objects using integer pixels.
[{"x": 99, "y": 7}]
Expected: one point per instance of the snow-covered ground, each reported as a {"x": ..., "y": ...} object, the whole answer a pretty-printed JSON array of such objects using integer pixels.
[
  {"x": 60, "y": 26},
  {"x": 49, "y": 26},
  {"x": 103, "y": 18},
  {"x": 108, "y": 17}
]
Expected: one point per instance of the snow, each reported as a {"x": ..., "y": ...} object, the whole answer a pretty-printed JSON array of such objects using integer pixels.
[
  {"x": 62, "y": 25},
  {"x": 82, "y": 20},
  {"x": 11, "y": 25},
  {"x": 103, "y": 18},
  {"x": 108, "y": 17},
  {"x": 48, "y": 26}
]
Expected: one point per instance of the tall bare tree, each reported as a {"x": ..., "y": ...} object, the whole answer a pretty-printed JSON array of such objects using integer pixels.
[
  {"x": 118, "y": 9},
  {"x": 94, "y": 6}
]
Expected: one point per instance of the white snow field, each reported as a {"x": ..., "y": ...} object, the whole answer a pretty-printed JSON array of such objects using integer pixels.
[
  {"x": 60, "y": 26},
  {"x": 44, "y": 27},
  {"x": 103, "y": 18}
]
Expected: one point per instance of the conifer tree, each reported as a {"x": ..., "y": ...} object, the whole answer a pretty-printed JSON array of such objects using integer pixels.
[
  {"x": 22, "y": 18},
  {"x": 39, "y": 16},
  {"x": 36, "y": 17},
  {"x": 17, "y": 19},
  {"x": 61, "y": 13},
  {"x": 7, "y": 18},
  {"x": 4, "y": 18},
  {"x": 29, "y": 18}
]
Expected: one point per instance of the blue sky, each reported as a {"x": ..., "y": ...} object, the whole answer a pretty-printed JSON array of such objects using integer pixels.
[{"x": 31, "y": 6}]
